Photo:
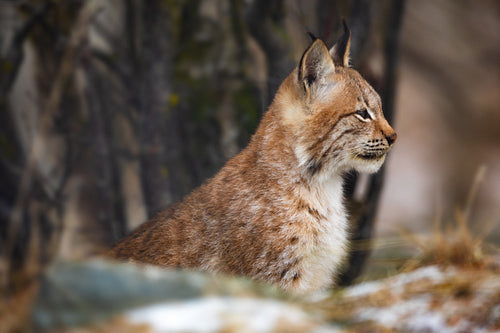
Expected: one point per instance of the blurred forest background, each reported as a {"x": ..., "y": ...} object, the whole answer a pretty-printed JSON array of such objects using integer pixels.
[{"x": 112, "y": 110}]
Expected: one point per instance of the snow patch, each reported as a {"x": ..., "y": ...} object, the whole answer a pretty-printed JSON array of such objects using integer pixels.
[
  {"x": 432, "y": 273},
  {"x": 414, "y": 315},
  {"x": 364, "y": 289},
  {"x": 392, "y": 315},
  {"x": 216, "y": 313}
]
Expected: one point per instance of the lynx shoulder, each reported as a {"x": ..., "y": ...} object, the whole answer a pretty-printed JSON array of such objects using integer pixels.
[{"x": 275, "y": 212}]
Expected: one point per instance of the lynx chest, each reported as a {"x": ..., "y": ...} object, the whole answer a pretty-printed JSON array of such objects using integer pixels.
[{"x": 322, "y": 225}]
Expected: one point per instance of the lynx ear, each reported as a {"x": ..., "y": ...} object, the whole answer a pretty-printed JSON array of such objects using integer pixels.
[
  {"x": 314, "y": 64},
  {"x": 340, "y": 51}
]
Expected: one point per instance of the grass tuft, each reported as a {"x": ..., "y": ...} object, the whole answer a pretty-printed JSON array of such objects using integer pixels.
[{"x": 453, "y": 244}]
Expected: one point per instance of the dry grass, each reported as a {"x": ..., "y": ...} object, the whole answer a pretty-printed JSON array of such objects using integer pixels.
[
  {"x": 15, "y": 309},
  {"x": 453, "y": 243}
]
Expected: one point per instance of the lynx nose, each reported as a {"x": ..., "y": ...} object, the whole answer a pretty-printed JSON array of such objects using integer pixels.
[{"x": 391, "y": 138}]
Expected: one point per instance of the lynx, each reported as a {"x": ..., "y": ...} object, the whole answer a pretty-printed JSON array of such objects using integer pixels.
[{"x": 275, "y": 212}]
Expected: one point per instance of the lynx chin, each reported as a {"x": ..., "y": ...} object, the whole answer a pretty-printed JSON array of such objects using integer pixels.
[{"x": 274, "y": 212}]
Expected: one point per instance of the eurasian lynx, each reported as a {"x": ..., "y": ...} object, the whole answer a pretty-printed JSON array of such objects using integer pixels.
[{"x": 275, "y": 212}]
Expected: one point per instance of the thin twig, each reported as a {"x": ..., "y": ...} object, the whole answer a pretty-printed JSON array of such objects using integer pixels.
[{"x": 478, "y": 179}]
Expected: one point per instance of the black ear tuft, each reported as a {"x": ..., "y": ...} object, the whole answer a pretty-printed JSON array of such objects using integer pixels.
[
  {"x": 311, "y": 35},
  {"x": 340, "y": 51}
]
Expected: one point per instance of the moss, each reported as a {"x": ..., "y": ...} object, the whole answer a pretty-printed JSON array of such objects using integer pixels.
[
  {"x": 6, "y": 66},
  {"x": 164, "y": 172},
  {"x": 205, "y": 101},
  {"x": 6, "y": 148},
  {"x": 246, "y": 104},
  {"x": 173, "y": 100}
]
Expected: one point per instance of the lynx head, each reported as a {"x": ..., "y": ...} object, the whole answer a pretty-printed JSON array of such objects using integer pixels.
[{"x": 334, "y": 114}]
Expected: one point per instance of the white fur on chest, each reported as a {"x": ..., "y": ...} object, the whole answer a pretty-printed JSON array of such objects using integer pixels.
[{"x": 322, "y": 257}]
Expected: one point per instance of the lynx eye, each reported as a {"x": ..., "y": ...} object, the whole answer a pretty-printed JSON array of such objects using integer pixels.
[{"x": 363, "y": 114}]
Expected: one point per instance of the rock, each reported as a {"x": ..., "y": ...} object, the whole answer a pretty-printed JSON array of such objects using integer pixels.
[
  {"x": 79, "y": 292},
  {"x": 101, "y": 296},
  {"x": 119, "y": 296}
]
